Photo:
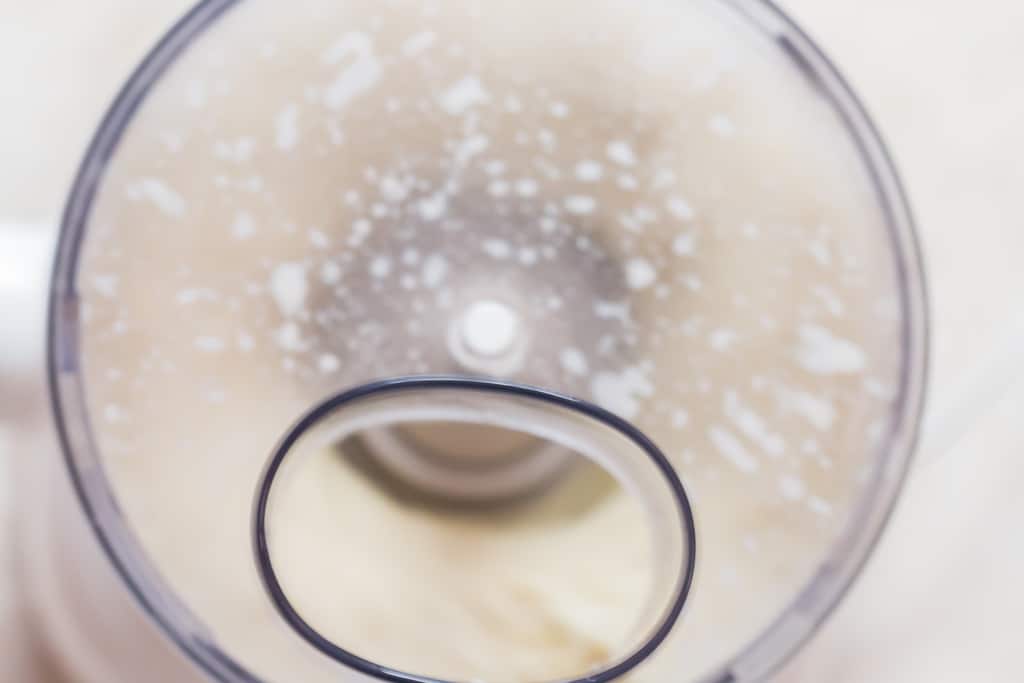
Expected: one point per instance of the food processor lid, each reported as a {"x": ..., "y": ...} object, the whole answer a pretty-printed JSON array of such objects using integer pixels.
[
  {"x": 675, "y": 211},
  {"x": 563, "y": 421}
]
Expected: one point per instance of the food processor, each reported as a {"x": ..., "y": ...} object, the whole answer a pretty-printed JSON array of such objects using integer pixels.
[{"x": 449, "y": 340}]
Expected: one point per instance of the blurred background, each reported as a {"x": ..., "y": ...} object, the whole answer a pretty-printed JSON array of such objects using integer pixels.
[{"x": 941, "y": 599}]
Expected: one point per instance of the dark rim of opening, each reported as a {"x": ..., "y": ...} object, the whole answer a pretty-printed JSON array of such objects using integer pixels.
[{"x": 403, "y": 384}]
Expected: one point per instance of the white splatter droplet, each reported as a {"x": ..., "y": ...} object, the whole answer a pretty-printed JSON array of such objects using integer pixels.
[
  {"x": 819, "y": 506},
  {"x": 613, "y": 310},
  {"x": 664, "y": 177},
  {"x": 362, "y": 73},
  {"x": 490, "y": 328},
  {"x": 581, "y": 205},
  {"x": 499, "y": 188},
  {"x": 497, "y": 249},
  {"x": 410, "y": 256},
  {"x": 681, "y": 209},
  {"x": 589, "y": 171},
  {"x": 621, "y": 393},
  {"x": 640, "y": 274},
  {"x": 245, "y": 342},
  {"x": 722, "y": 126},
  {"x": 547, "y": 139},
  {"x": 527, "y": 187},
  {"x": 288, "y": 287},
  {"x": 106, "y": 285},
  {"x": 573, "y": 361},
  {"x": 328, "y": 363},
  {"x": 161, "y": 195},
  {"x": 113, "y": 413},
  {"x": 435, "y": 269},
  {"x": 192, "y": 295},
  {"x": 243, "y": 227},
  {"x": 495, "y": 167},
  {"x": 792, "y": 488},
  {"x": 361, "y": 229},
  {"x": 471, "y": 147},
  {"x": 621, "y": 152},
  {"x": 645, "y": 214},
  {"x": 628, "y": 182},
  {"x": 286, "y": 127},
  {"x": 380, "y": 267},
  {"x": 319, "y": 239},
  {"x": 330, "y": 273},
  {"x": 458, "y": 98},
  {"x": 209, "y": 344},
  {"x": 239, "y": 151},
  {"x": 560, "y": 110},
  {"x": 818, "y": 411},
  {"x": 821, "y": 252},
  {"x": 733, "y": 450},
  {"x": 195, "y": 94},
  {"x": 528, "y": 256},
  {"x": 722, "y": 340},
  {"x": 392, "y": 189},
  {"x": 334, "y": 133},
  {"x": 418, "y": 43},
  {"x": 752, "y": 425},
  {"x": 289, "y": 337},
  {"x": 830, "y": 300},
  {"x": 432, "y": 208},
  {"x": 685, "y": 244},
  {"x": 823, "y": 353}
]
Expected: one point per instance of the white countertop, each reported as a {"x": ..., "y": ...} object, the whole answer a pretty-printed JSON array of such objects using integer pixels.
[{"x": 940, "y": 601}]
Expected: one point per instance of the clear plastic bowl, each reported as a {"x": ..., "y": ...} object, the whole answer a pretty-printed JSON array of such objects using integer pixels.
[{"x": 682, "y": 205}]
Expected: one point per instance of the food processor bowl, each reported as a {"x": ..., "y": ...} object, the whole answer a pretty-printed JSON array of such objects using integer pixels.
[{"x": 672, "y": 213}]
